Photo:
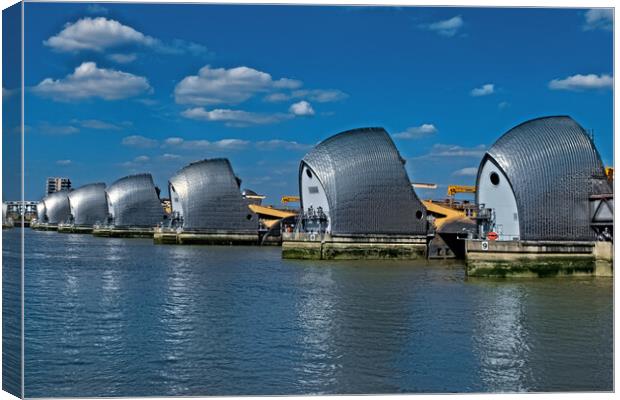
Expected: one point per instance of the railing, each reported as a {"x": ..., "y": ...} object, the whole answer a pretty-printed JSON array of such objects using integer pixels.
[{"x": 304, "y": 236}]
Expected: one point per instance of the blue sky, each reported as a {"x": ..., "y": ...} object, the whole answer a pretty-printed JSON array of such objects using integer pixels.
[{"x": 115, "y": 89}]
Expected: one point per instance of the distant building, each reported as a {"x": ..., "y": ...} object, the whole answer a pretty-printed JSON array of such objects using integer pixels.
[
  {"x": 14, "y": 210},
  {"x": 56, "y": 184},
  {"x": 536, "y": 181}
]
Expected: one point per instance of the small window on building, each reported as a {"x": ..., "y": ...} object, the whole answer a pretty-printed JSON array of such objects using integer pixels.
[
  {"x": 494, "y": 178},
  {"x": 313, "y": 189},
  {"x": 248, "y": 217},
  {"x": 309, "y": 173},
  {"x": 418, "y": 214}
]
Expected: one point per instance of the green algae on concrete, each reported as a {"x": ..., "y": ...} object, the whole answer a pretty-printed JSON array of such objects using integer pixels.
[
  {"x": 538, "y": 259},
  {"x": 123, "y": 233},
  {"x": 301, "y": 250},
  {"x": 74, "y": 229},
  {"x": 299, "y": 246},
  {"x": 45, "y": 227},
  {"x": 211, "y": 238},
  {"x": 225, "y": 239},
  {"x": 524, "y": 267}
]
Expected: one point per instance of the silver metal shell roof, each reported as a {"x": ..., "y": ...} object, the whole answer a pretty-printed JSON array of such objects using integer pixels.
[
  {"x": 89, "y": 204},
  {"x": 366, "y": 184},
  {"x": 210, "y": 197},
  {"x": 553, "y": 167},
  {"x": 41, "y": 211},
  {"x": 57, "y": 208},
  {"x": 133, "y": 201}
]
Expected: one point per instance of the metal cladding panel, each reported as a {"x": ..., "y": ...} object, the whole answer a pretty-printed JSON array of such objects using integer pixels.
[
  {"x": 366, "y": 184},
  {"x": 210, "y": 197},
  {"x": 553, "y": 168},
  {"x": 133, "y": 201},
  {"x": 57, "y": 207},
  {"x": 89, "y": 204}
]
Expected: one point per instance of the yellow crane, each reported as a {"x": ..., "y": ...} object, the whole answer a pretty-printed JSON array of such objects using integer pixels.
[
  {"x": 454, "y": 189},
  {"x": 289, "y": 199}
]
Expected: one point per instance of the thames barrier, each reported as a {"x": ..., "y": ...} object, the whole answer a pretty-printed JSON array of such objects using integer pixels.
[{"x": 543, "y": 206}]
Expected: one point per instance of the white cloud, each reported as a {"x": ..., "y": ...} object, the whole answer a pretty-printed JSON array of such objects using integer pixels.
[
  {"x": 232, "y": 117},
  {"x": 276, "y": 144},
  {"x": 287, "y": 83},
  {"x": 302, "y": 108},
  {"x": 317, "y": 95},
  {"x": 168, "y": 156},
  {"x": 139, "y": 141},
  {"x": 599, "y": 18},
  {"x": 96, "y": 9},
  {"x": 48, "y": 128},
  {"x": 63, "y": 162},
  {"x": 141, "y": 159},
  {"x": 89, "y": 81},
  {"x": 223, "y": 144},
  {"x": 227, "y": 86},
  {"x": 96, "y": 34},
  {"x": 100, "y": 125},
  {"x": 484, "y": 90},
  {"x": 128, "y": 164},
  {"x": 322, "y": 95},
  {"x": 448, "y": 27},
  {"x": 230, "y": 144},
  {"x": 148, "y": 102},
  {"x": 582, "y": 82},
  {"x": 100, "y": 33},
  {"x": 178, "y": 46},
  {"x": 173, "y": 141},
  {"x": 276, "y": 97},
  {"x": 503, "y": 105},
  {"x": 452, "y": 150},
  {"x": 123, "y": 58},
  {"x": 470, "y": 171},
  {"x": 416, "y": 132}
]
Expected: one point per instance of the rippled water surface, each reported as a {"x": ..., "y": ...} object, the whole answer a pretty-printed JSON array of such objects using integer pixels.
[{"x": 119, "y": 317}]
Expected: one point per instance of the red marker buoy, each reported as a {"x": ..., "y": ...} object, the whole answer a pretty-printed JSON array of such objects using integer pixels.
[{"x": 492, "y": 236}]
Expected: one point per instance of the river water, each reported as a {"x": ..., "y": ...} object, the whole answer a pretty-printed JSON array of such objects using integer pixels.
[{"x": 124, "y": 317}]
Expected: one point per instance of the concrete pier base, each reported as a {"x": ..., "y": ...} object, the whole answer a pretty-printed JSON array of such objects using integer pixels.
[
  {"x": 123, "y": 233},
  {"x": 538, "y": 259},
  {"x": 207, "y": 238},
  {"x": 74, "y": 229},
  {"x": 45, "y": 227},
  {"x": 309, "y": 247}
]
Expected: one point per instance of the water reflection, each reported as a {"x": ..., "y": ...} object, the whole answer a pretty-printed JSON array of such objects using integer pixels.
[
  {"x": 177, "y": 324},
  {"x": 127, "y": 318},
  {"x": 501, "y": 339},
  {"x": 316, "y": 319}
]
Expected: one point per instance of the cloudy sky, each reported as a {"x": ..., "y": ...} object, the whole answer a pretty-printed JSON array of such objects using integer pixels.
[{"x": 116, "y": 89}]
